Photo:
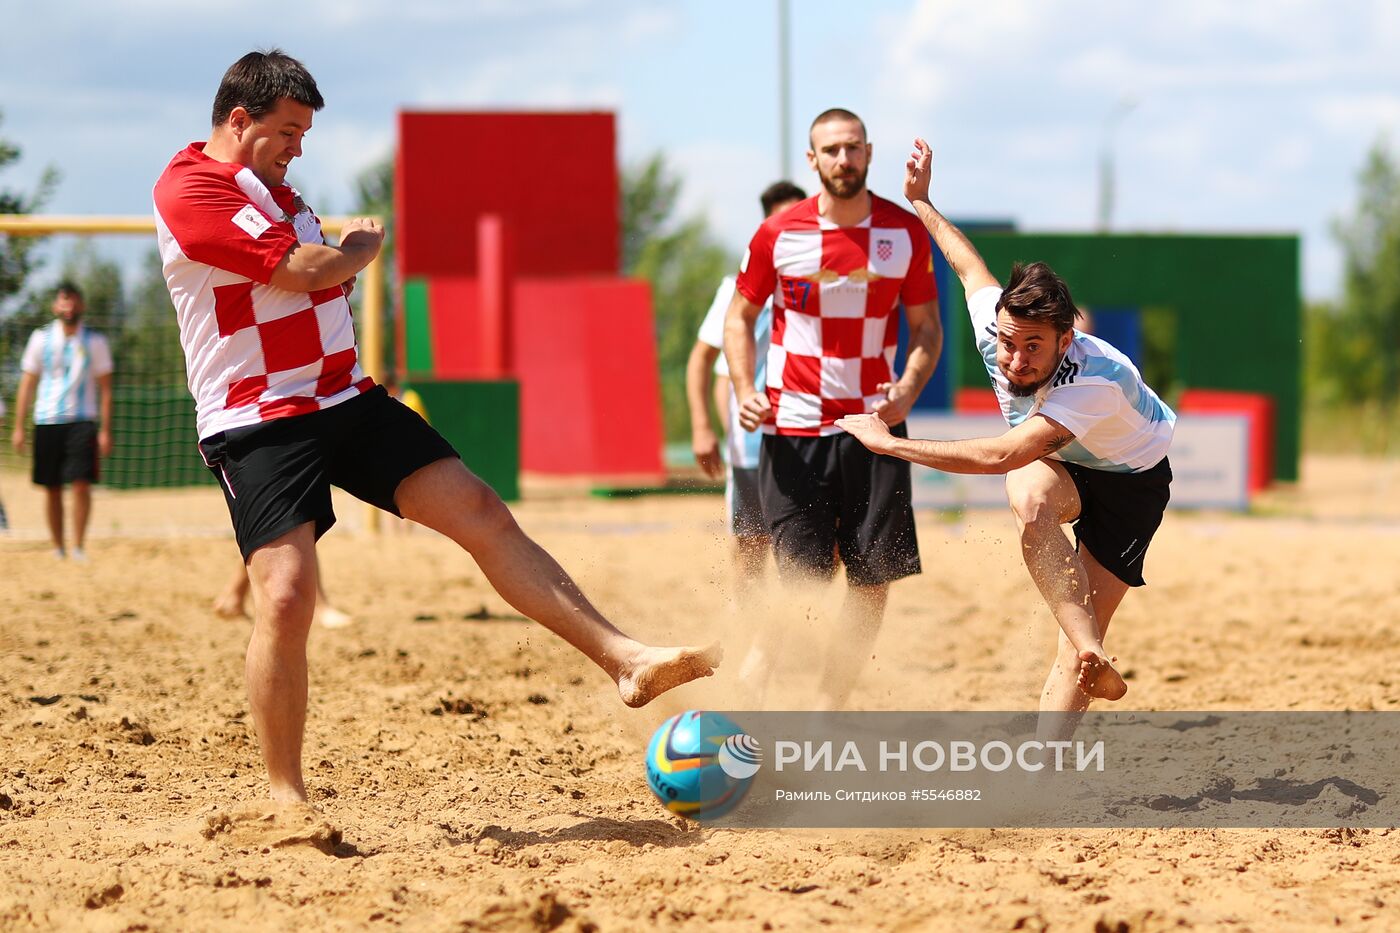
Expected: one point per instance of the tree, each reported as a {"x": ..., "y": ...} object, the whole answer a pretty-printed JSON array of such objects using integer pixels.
[
  {"x": 1353, "y": 346},
  {"x": 16, "y": 259},
  {"x": 684, "y": 265}
]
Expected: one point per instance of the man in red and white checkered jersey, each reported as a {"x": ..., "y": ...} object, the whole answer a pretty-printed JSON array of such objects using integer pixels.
[
  {"x": 285, "y": 412},
  {"x": 837, "y": 267}
]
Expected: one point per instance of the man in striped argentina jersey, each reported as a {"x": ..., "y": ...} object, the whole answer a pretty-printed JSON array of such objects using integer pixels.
[
  {"x": 1088, "y": 444},
  {"x": 66, "y": 373}
]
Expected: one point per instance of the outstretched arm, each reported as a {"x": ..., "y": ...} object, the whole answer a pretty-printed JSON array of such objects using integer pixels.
[
  {"x": 962, "y": 256},
  {"x": 1030, "y": 440}
]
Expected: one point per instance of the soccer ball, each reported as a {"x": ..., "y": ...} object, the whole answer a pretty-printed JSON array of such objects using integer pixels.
[{"x": 700, "y": 764}]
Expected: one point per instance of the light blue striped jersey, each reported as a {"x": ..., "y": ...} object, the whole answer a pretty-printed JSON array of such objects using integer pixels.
[
  {"x": 1119, "y": 423},
  {"x": 68, "y": 369},
  {"x": 741, "y": 446}
]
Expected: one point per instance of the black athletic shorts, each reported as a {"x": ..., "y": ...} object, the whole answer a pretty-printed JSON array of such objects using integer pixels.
[
  {"x": 1118, "y": 515},
  {"x": 65, "y": 453},
  {"x": 278, "y": 474},
  {"x": 821, "y": 494}
]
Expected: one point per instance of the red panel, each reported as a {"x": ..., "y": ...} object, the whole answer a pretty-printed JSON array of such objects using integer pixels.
[
  {"x": 452, "y": 307},
  {"x": 552, "y": 177},
  {"x": 1259, "y": 409},
  {"x": 976, "y": 402},
  {"x": 590, "y": 395}
]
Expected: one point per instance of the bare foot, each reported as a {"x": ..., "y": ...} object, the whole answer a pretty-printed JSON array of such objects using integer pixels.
[
  {"x": 274, "y": 825},
  {"x": 1098, "y": 678},
  {"x": 331, "y": 617},
  {"x": 229, "y": 606},
  {"x": 653, "y": 671}
]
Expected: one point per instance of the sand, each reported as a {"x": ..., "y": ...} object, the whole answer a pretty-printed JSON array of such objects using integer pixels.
[{"x": 469, "y": 772}]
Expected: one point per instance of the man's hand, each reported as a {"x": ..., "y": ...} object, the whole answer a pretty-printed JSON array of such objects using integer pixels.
[
  {"x": 706, "y": 448},
  {"x": 363, "y": 231},
  {"x": 17, "y": 438},
  {"x": 754, "y": 410},
  {"x": 894, "y": 408},
  {"x": 869, "y": 430},
  {"x": 917, "y": 171},
  {"x": 348, "y": 285},
  {"x": 104, "y": 443}
]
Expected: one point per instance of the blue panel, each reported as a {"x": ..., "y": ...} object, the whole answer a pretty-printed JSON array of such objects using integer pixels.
[
  {"x": 1121, "y": 327},
  {"x": 938, "y": 393}
]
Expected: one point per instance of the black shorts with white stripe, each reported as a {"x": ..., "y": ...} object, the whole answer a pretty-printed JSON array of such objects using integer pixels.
[{"x": 1118, "y": 515}]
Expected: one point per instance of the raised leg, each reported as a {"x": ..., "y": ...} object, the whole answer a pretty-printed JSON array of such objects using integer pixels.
[
  {"x": 448, "y": 498},
  {"x": 1043, "y": 497}
]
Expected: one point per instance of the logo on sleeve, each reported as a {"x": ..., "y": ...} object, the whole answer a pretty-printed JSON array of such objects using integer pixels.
[
  {"x": 251, "y": 221},
  {"x": 744, "y": 266}
]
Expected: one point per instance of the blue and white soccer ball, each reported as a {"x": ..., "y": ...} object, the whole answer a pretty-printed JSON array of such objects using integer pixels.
[{"x": 700, "y": 764}]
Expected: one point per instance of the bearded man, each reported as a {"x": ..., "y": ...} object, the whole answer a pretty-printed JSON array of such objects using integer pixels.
[{"x": 837, "y": 266}]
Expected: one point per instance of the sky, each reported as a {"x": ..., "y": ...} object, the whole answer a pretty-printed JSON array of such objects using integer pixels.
[{"x": 1239, "y": 116}]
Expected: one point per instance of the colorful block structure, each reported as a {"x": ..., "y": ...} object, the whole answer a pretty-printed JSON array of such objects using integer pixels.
[{"x": 508, "y": 246}]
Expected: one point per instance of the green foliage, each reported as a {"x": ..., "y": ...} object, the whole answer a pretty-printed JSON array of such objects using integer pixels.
[
  {"x": 146, "y": 349},
  {"x": 16, "y": 259},
  {"x": 684, "y": 265},
  {"x": 1352, "y": 346}
]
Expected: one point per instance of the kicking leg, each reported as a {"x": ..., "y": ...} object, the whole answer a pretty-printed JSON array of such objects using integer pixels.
[
  {"x": 283, "y": 575},
  {"x": 1043, "y": 497},
  {"x": 446, "y": 497}
]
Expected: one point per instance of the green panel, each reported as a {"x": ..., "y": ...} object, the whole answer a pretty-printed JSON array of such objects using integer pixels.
[
  {"x": 418, "y": 327},
  {"x": 154, "y": 442},
  {"x": 1236, "y": 299},
  {"x": 481, "y": 419}
]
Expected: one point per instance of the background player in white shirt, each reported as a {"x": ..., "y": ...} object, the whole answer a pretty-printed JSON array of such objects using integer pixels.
[
  {"x": 1088, "y": 445},
  {"x": 67, "y": 375},
  {"x": 706, "y": 362}
]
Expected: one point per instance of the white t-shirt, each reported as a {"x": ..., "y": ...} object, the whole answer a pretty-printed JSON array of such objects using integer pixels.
[
  {"x": 741, "y": 446},
  {"x": 1119, "y": 423},
  {"x": 68, "y": 369}
]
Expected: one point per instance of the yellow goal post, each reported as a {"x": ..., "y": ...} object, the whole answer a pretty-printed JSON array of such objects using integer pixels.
[{"x": 372, "y": 286}]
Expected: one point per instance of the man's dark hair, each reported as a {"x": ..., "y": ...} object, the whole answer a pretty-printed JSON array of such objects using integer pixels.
[
  {"x": 258, "y": 80},
  {"x": 836, "y": 113},
  {"x": 1035, "y": 293},
  {"x": 69, "y": 288},
  {"x": 777, "y": 193}
]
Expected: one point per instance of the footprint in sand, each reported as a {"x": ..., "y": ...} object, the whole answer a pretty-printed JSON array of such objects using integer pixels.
[{"x": 271, "y": 826}]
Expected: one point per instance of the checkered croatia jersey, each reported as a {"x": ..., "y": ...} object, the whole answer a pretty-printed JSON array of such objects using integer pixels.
[
  {"x": 834, "y": 291},
  {"x": 253, "y": 352}
]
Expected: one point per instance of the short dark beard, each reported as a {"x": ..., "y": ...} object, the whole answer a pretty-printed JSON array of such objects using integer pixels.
[
  {"x": 1026, "y": 391},
  {"x": 830, "y": 185}
]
